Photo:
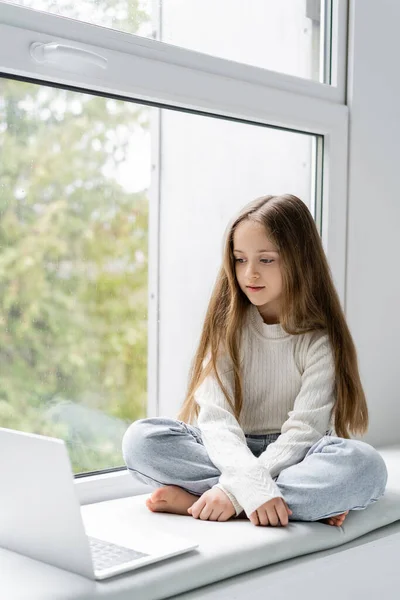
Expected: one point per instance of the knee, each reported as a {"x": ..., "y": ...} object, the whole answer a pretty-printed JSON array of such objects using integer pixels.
[
  {"x": 135, "y": 443},
  {"x": 132, "y": 441},
  {"x": 141, "y": 441},
  {"x": 370, "y": 465}
]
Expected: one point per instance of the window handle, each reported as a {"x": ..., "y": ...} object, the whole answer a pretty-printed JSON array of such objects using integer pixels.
[{"x": 54, "y": 53}]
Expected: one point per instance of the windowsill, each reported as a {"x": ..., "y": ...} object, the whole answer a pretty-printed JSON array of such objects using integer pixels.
[
  {"x": 108, "y": 486},
  {"x": 45, "y": 582}
]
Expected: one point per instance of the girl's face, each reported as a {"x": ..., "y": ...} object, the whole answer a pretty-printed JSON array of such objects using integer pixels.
[{"x": 257, "y": 263}]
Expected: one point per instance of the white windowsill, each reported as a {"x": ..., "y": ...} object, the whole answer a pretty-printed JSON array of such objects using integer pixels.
[{"x": 108, "y": 486}]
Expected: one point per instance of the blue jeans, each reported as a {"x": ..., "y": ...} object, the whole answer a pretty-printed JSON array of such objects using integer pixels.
[{"x": 336, "y": 474}]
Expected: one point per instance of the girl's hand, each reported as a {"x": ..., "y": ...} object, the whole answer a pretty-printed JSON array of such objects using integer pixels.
[
  {"x": 213, "y": 505},
  {"x": 275, "y": 512}
]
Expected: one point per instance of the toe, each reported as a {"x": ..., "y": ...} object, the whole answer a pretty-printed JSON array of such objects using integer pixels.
[
  {"x": 154, "y": 496},
  {"x": 156, "y": 506}
]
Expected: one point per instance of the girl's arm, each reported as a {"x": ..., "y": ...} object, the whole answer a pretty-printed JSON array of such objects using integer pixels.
[
  {"x": 311, "y": 414},
  {"x": 246, "y": 482}
]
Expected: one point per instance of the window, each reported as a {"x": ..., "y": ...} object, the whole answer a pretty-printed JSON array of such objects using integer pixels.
[
  {"x": 74, "y": 238},
  {"x": 289, "y": 36},
  {"x": 209, "y": 169},
  {"x": 285, "y": 36},
  {"x": 117, "y": 159},
  {"x": 76, "y": 178},
  {"x": 132, "y": 16}
]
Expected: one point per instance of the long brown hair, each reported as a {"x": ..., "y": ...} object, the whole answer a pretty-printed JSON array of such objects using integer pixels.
[{"x": 309, "y": 302}]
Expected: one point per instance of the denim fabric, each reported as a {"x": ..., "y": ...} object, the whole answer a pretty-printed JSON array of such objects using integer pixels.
[{"x": 335, "y": 475}]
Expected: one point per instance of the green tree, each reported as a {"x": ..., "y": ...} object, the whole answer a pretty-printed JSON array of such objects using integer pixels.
[{"x": 73, "y": 270}]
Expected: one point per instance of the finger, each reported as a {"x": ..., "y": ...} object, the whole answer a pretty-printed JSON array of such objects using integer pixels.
[
  {"x": 273, "y": 516},
  {"x": 206, "y": 512},
  {"x": 197, "y": 507},
  {"x": 254, "y": 518},
  {"x": 283, "y": 515},
  {"x": 192, "y": 508},
  {"x": 263, "y": 517},
  {"x": 340, "y": 520},
  {"x": 287, "y": 508},
  {"x": 215, "y": 514},
  {"x": 225, "y": 516}
]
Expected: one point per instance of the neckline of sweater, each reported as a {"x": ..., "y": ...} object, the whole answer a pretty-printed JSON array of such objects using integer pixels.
[{"x": 272, "y": 332}]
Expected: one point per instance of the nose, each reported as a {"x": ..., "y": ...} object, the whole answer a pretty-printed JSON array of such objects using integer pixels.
[{"x": 251, "y": 272}]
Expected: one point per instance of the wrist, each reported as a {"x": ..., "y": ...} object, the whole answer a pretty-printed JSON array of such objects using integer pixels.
[{"x": 235, "y": 503}]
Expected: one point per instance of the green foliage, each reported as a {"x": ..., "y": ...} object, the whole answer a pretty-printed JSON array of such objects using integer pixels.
[
  {"x": 131, "y": 16},
  {"x": 73, "y": 270}
]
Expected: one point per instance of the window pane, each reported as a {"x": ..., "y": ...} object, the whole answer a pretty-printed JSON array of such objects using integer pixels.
[
  {"x": 285, "y": 36},
  {"x": 131, "y": 16},
  {"x": 210, "y": 169},
  {"x": 74, "y": 172}
]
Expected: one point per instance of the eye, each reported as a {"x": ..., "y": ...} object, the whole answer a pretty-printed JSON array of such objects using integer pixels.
[{"x": 266, "y": 261}]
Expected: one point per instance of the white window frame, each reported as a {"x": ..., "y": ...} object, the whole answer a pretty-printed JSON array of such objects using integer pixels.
[{"x": 151, "y": 71}]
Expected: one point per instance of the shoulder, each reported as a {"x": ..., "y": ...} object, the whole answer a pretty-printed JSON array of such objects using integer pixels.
[
  {"x": 224, "y": 363},
  {"x": 314, "y": 347},
  {"x": 318, "y": 342}
]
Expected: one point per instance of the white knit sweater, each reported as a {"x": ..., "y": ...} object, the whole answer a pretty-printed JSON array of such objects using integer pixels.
[{"x": 288, "y": 388}]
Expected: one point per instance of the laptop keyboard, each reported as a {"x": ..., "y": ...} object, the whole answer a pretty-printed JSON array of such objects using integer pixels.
[{"x": 106, "y": 555}]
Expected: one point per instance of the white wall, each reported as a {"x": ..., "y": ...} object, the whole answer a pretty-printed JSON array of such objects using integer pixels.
[{"x": 373, "y": 276}]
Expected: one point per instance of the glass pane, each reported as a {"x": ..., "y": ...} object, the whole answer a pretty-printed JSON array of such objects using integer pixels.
[
  {"x": 286, "y": 36},
  {"x": 210, "y": 169},
  {"x": 131, "y": 16},
  {"x": 74, "y": 172}
]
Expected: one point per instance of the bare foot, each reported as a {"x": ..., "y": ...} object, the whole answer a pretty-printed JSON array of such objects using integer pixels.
[
  {"x": 171, "y": 499},
  {"x": 336, "y": 521}
]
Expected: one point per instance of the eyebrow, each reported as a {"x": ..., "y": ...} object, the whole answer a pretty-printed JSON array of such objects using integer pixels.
[{"x": 241, "y": 251}]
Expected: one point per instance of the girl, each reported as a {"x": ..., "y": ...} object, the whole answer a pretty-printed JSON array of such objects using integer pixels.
[{"x": 275, "y": 364}]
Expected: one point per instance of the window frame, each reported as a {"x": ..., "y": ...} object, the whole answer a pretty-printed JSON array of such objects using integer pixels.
[{"x": 183, "y": 79}]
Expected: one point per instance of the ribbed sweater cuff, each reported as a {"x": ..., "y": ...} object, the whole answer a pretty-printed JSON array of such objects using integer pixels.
[
  {"x": 251, "y": 489},
  {"x": 231, "y": 497}
]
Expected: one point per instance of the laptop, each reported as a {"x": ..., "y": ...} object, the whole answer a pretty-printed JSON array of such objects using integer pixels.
[{"x": 40, "y": 514}]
